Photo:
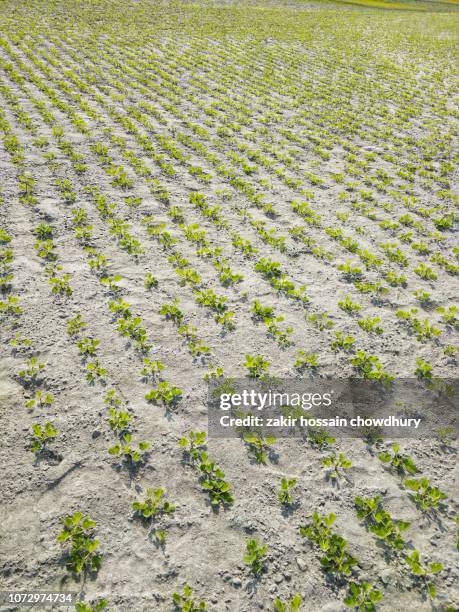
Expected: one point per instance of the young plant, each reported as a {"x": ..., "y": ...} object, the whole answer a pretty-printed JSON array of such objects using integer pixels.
[
  {"x": 348, "y": 305},
  {"x": 321, "y": 320},
  {"x": 334, "y": 463},
  {"x": 42, "y": 435},
  {"x": 98, "y": 606},
  {"x": 320, "y": 438},
  {"x": 426, "y": 496},
  {"x": 259, "y": 445},
  {"x": 363, "y": 596},
  {"x": 284, "y": 495},
  {"x": 60, "y": 284},
  {"x": 150, "y": 281},
  {"x": 193, "y": 444},
  {"x": 342, "y": 342},
  {"x": 306, "y": 360},
  {"x": 151, "y": 367},
  {"x": 397, "y": 461},
  {"x": 78, "y": 530},
  {"x": 370, "y": 367},
  {"x": 153, "y": 504},
  {"x": 213, "y": 481},
  {"x": 425, "y": 571},
  {"x": 172, "y": 311},
  {"x": 118, "y": 419},
  {"x": 94, "y": 371},
  {"x": 423, "y": 370},
  {"x": 129, "y": 452},
  {"x": 40, "y": 399},
  {"x": 185, "y": 603},
  {"x": 257, "y": 365},
  {"x": 75, "y": 325},
  {"x": 88, "y": 346},
  {"x": 165, "y": 393},
  {"x": 336, "y": 559},
  {"x": 255, "y": 556},
  {"x": 29, "y": 374},
  {"x": 293, "y": 605},
  {"x": 371, "y": 325},
  {"x": 380, "y": 522}
]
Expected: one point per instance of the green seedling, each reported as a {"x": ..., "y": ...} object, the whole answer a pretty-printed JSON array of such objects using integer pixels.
[
  {"x": 78, "y": 530},
  {"x": 449, "y": 316},
  {"x": 97, "y": 261},
  {"x": 284, "y": 494},
  {"x": 42, "y": 435},
  {"x": 193, "y": 444},
  {"x": 75, "y": 325},
  {"x": 19, "y": 341},
  {"x": 321, "y": 320},
  {"x": 257, "y": 365},
  {"x": 342, "y": 341},
  {"x": 293, "y": 605},
  {"x": 133, "y": 328},
  {"x": 426, "y": 272},
  {"x": 40, "y": 399},
  {"x": 165, "y": 393},
  {"x": 370, "y": 367},
  {"x": 445, "y": 435},
  {"x": 60, "y": 284},
  {"x": 94, "y": 371},
  {"x": 120, "y": 307},
  {"x": 172, "y": 311},
  {"x": 255, "y": 556},
  {"x": 185, "y": 603},
  {"x": 44, "y": 231},
  {"x": 371, "y": 325},
  {"x": 425, "y": 571},
  {"x": 4, "y": 236},
  {"x": 334, "y": 463},
  {"x": 424, "y": 297},
  {"x": 320, "y": 438},
  {"x": 380, "y": 522},
  {"x": 398, "y": 462},
  {"x": 160, "y": 536},
  {"x": 151, "y": 367},
  {"x": 350, "y": 270},
  {"x": 207, "y": 297},
  {"x": 153, "y": 504},
  {"x": 259, "y": 445},
  {"x": 45, "y": 249},
  {"x": 426, "y": 496},
  {"x": 111, "y": 399},
  {"x": 30, "y": 372},
  {"x": 88, "y": 346},
  {"x": 213, "y": 481},
  {"x": 118, "y": 419},
  {"x": 226, "y": 319},
  {"x": 129, "y": 452},
  {"x": 112, "y": 282},
  {"x": 10, "y": 306},
  {"x": 363, "y": 596},
  {"x": 336, "y": 559},
  {"x": 348, "y": 305},
  {"x": 306, "y": 360},
  {"x": 98, "y": 606},
  {"x": 150, "y": 281},
  {"x": 423, "y": 370}
]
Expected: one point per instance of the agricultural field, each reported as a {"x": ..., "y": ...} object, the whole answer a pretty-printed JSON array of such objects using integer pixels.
[{"x": 194, "y": 192}]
